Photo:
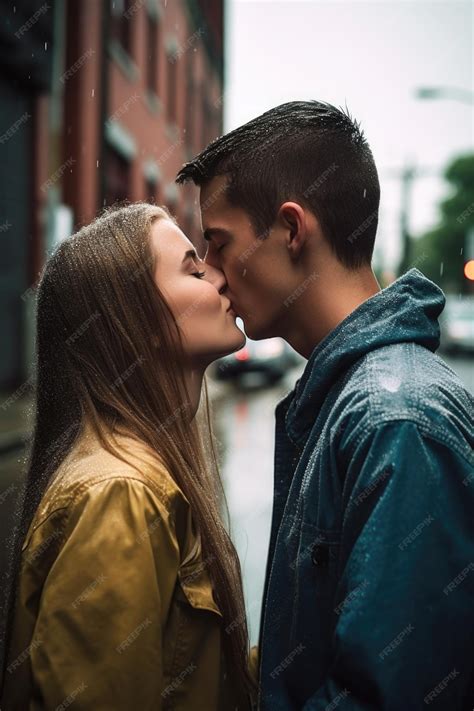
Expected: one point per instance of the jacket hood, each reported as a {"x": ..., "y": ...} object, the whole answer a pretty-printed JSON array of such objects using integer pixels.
[{"x": 407, "y": 311}]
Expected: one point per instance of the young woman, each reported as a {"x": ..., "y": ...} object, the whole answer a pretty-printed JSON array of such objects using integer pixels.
[{"x": 127, "y": 591}]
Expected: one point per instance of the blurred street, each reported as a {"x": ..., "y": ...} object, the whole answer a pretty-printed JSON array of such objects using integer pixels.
[{"x": 244, "y": 425}]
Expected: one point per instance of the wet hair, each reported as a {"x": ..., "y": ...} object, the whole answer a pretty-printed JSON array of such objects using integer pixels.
[
  {"x": 309, "y": 152},
  {"x": 109, "y": 352}
]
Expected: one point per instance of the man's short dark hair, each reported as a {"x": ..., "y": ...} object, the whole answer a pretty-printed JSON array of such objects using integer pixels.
[{"x": 306, "y": 151}]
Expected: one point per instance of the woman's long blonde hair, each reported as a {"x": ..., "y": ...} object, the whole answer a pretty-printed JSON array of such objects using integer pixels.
[{"x": 109, "y": 350}]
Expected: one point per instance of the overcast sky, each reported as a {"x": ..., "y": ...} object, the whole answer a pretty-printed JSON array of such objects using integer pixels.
[{"x": 371, "y": 56}]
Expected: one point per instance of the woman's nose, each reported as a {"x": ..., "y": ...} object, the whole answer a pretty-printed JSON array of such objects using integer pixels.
[{"x": 216, "y": 277}]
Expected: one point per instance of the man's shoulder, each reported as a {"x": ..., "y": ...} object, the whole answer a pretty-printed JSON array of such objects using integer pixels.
[{"x": 404, "y": 382}]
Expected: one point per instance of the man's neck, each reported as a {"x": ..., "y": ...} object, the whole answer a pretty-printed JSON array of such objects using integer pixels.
[{"x": 324, "y": 303}]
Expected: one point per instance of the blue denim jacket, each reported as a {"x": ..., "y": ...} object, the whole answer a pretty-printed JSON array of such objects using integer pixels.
[{"x": 369, "y": 592}]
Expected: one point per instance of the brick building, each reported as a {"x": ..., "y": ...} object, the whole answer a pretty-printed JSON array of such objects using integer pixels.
[{"x": 115, "y": 95}]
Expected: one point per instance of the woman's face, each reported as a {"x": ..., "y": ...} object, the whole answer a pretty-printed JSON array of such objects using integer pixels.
[{"x": 192, "y": 290}]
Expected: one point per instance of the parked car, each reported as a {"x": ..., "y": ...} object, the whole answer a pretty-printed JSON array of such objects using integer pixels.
[
  {"x": 457, "y": 325},
  {"x": 272, "y": 357}
]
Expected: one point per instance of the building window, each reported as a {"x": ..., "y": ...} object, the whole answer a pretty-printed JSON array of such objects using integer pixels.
[
  {"x": 152, "y": 54},
  {"x": 171, "y": 94},
  {"x": 117, "y": 177},
  {"x": 121, "y": 23},
  {"x": 190, "y": 94}
]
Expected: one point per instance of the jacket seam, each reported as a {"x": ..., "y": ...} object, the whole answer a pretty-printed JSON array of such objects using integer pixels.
[
  {"x": 85, "y": 486},
  {"x": 425, "y": 426}
]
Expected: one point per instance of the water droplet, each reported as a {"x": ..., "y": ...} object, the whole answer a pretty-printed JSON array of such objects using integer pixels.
[
  {"x": 45, "y": 46},
  {"x": 92, "y": 93}
]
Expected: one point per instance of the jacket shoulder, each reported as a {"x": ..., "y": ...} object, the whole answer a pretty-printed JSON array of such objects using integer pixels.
[
  {"x": 406, "y": 382},
  {"x": 89, "y": 473}
]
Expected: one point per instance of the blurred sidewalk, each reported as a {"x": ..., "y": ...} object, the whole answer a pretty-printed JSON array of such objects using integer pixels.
[{"x": 15, "y": 416}]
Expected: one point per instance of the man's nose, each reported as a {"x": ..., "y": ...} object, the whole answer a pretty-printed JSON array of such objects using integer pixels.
[{"x": 216, "y": 277}]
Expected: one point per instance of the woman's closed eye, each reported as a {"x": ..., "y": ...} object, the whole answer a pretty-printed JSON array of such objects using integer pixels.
[{"x": 199, "y": 275}]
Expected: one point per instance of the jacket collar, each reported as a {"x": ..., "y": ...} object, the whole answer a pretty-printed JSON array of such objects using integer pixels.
[{"x": 407, "y": 311}]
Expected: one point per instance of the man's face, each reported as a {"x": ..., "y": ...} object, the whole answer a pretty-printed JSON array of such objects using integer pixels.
[{"x": 255, "y": 268}]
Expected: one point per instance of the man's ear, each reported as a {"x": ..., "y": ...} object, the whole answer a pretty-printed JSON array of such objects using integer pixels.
[{"x": 292, "y": 218}]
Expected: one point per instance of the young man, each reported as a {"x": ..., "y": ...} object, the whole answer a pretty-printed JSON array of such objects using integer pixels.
[{"x": 368, "y": 600}]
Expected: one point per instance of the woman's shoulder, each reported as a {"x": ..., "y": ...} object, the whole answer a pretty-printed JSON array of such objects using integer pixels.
[{"x": 119, "y": 486}]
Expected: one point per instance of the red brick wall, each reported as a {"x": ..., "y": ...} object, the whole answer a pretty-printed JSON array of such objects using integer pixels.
[{"x": 126, "y": 98}]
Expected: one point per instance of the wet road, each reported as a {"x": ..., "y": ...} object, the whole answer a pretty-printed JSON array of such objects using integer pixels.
[{"x": 244, "y": 425}]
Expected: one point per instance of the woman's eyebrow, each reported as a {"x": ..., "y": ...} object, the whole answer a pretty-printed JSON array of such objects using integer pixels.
[{"x": 190, "y": 254}]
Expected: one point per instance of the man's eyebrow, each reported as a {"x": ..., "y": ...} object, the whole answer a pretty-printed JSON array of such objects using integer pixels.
[
  {"x": 190, "y": 254},
  {"x": 211, "y": 231}
]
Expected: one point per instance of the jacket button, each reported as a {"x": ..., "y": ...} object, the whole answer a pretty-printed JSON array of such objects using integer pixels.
[{"x": 320, "y": 555}]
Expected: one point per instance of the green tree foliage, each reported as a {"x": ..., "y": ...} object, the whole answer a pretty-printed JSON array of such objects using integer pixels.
[{"x": 445, "y": 244}]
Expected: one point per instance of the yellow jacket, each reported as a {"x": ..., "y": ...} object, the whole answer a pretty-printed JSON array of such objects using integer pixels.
[{"x": 115, "y": 608}]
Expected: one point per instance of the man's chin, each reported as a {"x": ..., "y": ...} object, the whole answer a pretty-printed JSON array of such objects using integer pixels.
[{"x": 253, "y": 330}]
